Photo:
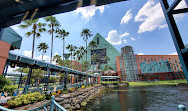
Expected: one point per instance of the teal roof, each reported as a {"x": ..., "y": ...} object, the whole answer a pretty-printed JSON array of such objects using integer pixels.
[{"x": 11, "y": 37}]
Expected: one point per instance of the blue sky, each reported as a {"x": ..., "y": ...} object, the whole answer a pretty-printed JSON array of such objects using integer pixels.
[{"x": 139, "y": 23}]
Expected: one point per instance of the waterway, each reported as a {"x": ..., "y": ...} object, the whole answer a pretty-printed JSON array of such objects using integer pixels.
[{"x": 141, "y": 98}]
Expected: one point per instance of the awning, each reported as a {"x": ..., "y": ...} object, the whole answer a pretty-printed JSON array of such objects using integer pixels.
[{"x": 11, "y": 37}]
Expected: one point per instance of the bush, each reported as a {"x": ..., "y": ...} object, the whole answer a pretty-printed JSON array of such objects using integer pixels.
[
  {"x": 9, "y": 89},
  {"x": 4, "y": 82},
  {"x": 25, "y": 99}
]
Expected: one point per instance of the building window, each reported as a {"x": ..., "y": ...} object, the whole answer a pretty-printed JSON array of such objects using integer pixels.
[{"x": 97, "y": 40}]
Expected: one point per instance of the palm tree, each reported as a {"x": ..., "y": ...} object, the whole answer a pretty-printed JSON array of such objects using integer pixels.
[
  {"x": 77, "y": 54},
  {"x": 82, "y": 51},
  {"x": 53, "y": 23},
  {"x": 62, "y": 34},
  {"x": 93, "y": 44},
  {"x": 57, "y": 58},
  {"x": 106, "y": 59},
  {"x": 85, "y": 34},
  {"x": 71, "y": 49},
  {"x": 37, "y": 28},
  {"x": 43, "y": 47}
]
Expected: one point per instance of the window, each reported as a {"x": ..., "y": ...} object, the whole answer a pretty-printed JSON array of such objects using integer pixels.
[
  {"x": 97, "y": 40},
  {"x": 101, "y": 53}
]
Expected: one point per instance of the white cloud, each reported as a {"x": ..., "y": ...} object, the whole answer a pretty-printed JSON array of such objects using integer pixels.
[
  {"x": 140, "y": 53},
  {"x": 174, "y": 53},
  {"x": 28, "y": 53},
  {"x": 114, "y": 38},
  {"x": 152, "y": 17},
  {"x": 125, "y": 34},
  {"x": 89, "y": 11},
  {"x": 127, "y": 17},
  {"x": 132, "y": 38},
  {"x": 46, "y": 58},
  {"x": 125, "y": 41},
  {"x": 138, "y": 37},
  {"x": 163, "y": 26}
]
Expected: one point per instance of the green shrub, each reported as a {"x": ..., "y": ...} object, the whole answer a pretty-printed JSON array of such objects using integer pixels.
[{"x": 25, "y": 99}]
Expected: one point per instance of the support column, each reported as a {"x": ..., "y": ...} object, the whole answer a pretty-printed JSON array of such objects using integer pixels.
[
  {"x": 176, "y": 36},
  {"x": 186, "y": 1},
  {"x": 65, "y": 81}
]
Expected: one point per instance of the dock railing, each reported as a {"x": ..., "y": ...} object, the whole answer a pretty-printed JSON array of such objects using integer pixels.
[{"x": 52, "y": 104}]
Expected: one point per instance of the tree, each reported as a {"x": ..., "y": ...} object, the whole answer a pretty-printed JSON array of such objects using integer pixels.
[
  {"x": 71, "y": 49},
  {"x": 53, "y": 24},
  {"x": 93, "y": 44},
  {"x": 85, "y": 34},
  {"x": 37, "y": 28},
  {"x": 62, "y": 34},
  {"x": 86, "y": 65},
  {"x": 82, "y": 51},
  {"x": 43, "y": 47},
  {"x": 77, "y": 54},
  {"x": 4, "y": 81},
  {"x": 106, "y": 59},
  {"x": 57, "y": 59}
]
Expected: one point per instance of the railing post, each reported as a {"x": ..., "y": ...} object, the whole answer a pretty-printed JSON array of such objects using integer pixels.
[
  {"x": 65, "y": 81},
  {"x": 181, "y": 107},
  {"x": 52, "y": 103}
]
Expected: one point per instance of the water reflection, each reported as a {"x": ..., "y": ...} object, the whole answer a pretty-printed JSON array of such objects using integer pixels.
[{"x": 147, "y": 98}]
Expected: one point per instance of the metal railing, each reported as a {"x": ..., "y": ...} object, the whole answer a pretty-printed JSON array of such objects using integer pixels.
[{"x": 52, "y": 105}]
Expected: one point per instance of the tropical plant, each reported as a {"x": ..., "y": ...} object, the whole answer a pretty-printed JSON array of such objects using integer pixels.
[
  {"x": 86, "y": 33},
  {"x": 43, "y": 47},
  {"x": 53, "y": 24},
  {"x": 4, "y": 81},
  {"x": 76, "y": 54},
  {"x": 106, "y": 67},
  {"x": 82, "y": 51},
  {"x": 37, "y": 28},
  {"x": 71, "y": 48},
  {"x": 62, "y": 34},
  {"x": 106, "y": 59},
  {"x": 93, "y": 45},
  {"x": 57, "y": 59},
  {"x": 86, "y": 65}
]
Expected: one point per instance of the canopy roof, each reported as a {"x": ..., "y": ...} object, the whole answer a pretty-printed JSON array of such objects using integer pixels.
[
  {"x": 11, "y": 37},
  {"x": 13, "y": 11},
  {"x": 23, "y": 61}
]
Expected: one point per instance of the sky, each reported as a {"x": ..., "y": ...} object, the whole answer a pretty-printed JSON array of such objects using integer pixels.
[{"x": 138, "y": 23}]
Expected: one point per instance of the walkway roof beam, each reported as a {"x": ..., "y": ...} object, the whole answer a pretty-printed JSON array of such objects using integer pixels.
[{"x": 12, "y": 12}]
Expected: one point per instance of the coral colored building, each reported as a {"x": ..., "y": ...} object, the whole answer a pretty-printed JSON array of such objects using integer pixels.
[{"x": 9, "y": 40}]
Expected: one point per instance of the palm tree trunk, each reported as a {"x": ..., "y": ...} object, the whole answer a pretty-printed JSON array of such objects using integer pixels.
[
  {"x": 33, "y": 43},
  {"x": 63, "y": 50},
  {"x": 82, "y": 63},
  {"x": 51, "y": 45},
  {"x": 86, "y": 63},
  {"x": 42, "y": 55},
  {"x": 71, "y": 67}
]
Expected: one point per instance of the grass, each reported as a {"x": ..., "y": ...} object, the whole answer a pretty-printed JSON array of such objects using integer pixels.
[
  {"x": 112, "y": 82},
  {"x": 165, "y": 82}
]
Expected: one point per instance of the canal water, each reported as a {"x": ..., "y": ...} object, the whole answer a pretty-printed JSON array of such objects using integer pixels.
[{"x": 141, "y": 98}]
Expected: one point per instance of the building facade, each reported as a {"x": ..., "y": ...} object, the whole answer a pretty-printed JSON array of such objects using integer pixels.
[
  {"x": 126, "y": 64},
  {"x": 160, "y": 67},
  {"x": 103, "y": 49}
]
